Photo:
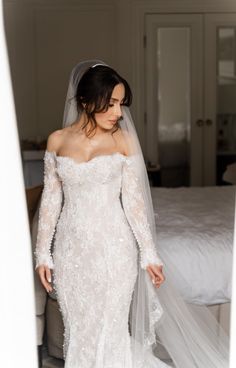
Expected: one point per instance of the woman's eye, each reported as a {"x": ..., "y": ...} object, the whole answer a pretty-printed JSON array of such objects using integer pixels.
[{"x": 110, "y": 105}]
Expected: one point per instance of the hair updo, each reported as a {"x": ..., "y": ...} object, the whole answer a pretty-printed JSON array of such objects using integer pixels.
[{"x": 94, "y": 92}]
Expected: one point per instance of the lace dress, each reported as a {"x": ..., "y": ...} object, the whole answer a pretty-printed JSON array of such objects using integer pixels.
[{"x": 97, "y": 211}]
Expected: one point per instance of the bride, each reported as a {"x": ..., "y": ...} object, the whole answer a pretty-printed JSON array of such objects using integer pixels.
[{"x": 106, "y": 265}]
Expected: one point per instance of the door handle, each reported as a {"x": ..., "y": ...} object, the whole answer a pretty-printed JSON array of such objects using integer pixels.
[
  {"x": 209, "y": 122},
  {"x": 199, "y": 122}
]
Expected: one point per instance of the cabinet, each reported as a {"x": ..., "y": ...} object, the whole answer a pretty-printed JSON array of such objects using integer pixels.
[{"x": 190, "y": 72}]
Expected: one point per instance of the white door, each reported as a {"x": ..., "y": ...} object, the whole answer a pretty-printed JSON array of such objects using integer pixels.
[
  {"x": 174, "y": 100},
  {"x": 220, "y": 96}
]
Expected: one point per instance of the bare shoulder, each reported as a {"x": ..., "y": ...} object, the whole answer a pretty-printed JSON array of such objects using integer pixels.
[
  {"x": 125, "y": 141},
  {"x": 55, "y": 140}
]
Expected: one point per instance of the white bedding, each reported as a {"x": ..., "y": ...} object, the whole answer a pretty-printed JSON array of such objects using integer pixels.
[{"x": 195, "y": 227}]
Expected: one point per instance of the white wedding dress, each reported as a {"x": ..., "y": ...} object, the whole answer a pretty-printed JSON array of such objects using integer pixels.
[{"x": 98, "y": 213}]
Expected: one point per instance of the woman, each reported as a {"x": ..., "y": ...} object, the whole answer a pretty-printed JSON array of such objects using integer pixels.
[{"x": 96, "y": 196}]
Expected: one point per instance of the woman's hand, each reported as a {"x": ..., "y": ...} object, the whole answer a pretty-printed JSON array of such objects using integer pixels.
[
  {"x": 45, "y": 277},
  {"x": 156, "y": 274}
]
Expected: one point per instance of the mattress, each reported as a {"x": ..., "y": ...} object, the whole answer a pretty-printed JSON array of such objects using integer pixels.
[{"x": 195, "y": 228}]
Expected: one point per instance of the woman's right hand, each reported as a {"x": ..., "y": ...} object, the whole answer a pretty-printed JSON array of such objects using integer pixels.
[{"x": 44, "y": 273}]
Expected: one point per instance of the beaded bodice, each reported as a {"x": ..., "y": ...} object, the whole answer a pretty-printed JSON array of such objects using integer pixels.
[{"x": 98, "y": 189}]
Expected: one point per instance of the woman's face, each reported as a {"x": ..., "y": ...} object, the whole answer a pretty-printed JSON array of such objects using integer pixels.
[{"x": 107, "y": 120}]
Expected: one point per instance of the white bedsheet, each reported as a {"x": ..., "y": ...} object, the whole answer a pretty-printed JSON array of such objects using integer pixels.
[{"x": 195, "y": 226}]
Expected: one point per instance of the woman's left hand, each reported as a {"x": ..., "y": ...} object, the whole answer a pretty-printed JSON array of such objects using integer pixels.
[{"x": 156, "y": 274}]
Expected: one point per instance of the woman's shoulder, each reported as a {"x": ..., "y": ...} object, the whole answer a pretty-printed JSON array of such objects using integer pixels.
[
  {"x": 125, "y": 140},
  {"x": 55, "y": 140}
]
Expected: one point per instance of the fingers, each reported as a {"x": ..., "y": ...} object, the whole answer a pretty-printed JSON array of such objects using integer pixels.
[
  {"x": 151, "y": 273},
  {"x": 159, "y": 273},
  {"x": 153, "y": 277},
  {"x": 156, "y": 275},
  {"x": 45, "y": 277},
  {"x": 48, "y": 274}
]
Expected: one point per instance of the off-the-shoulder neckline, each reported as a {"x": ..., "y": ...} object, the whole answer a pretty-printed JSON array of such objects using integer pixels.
[{"x": 58, "y": 157}]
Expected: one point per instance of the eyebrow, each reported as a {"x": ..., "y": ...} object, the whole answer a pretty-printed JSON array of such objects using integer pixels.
[{"x": 116, "y": 99}]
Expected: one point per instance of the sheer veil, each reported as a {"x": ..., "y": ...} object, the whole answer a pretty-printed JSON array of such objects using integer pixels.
[{"x": 191, "y": 335}]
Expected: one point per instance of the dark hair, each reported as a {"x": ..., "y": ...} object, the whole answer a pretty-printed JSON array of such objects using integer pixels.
[{"x": 94, "y": 92}]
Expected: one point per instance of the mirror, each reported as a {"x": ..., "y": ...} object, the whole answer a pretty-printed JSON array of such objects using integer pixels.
[
  {"x": 41, "y": 58},
  {"x": 226, "y": 92},
  {"x": 173, "y": 99}
]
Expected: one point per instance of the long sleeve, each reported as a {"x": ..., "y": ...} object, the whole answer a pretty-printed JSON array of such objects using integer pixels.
[
  {"x": 49, "y": 211},
  {"x": 135, "y": 211}
]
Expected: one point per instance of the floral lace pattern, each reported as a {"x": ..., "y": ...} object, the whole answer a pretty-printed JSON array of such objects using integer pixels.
[
  {"x": 49, "y": 211},
  {"x": 135, "y": 211},
  {"x": 95, "y": 253}
]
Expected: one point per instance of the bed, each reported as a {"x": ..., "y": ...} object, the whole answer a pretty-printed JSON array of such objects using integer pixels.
[{"x": 195, "y": 227}]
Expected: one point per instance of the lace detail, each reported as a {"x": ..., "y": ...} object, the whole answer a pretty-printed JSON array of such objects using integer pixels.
[
  {"x": 94, "y": 254},
  {"x": 49, "y": 211},
  {"x": 135, "y": 211}
]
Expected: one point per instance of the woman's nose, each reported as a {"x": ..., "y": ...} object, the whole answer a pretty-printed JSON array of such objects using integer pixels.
[{"x": 118, "y": 110}]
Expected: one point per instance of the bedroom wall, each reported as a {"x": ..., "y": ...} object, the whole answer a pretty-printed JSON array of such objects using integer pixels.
[{"x": 47, "y": 37}]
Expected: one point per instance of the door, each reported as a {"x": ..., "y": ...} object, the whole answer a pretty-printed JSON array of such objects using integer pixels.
[
  {"x": 174, "y": 103},
  {"x": 191, "y": 96},
  {"x": 220, "y": 96}
]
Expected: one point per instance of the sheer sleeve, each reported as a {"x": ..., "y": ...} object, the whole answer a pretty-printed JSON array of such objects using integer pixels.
[
  {"x": 49, "y": 211},
  {"x": 135, "y": 211}
]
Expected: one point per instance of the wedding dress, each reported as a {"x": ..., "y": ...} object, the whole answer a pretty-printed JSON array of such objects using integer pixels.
[{"x": 95, "y": 253}]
